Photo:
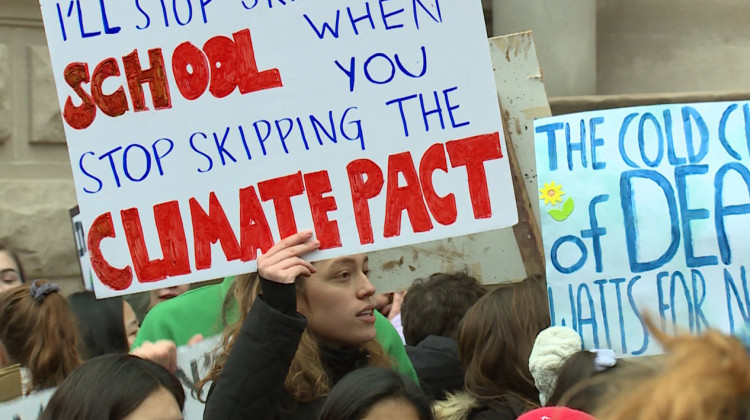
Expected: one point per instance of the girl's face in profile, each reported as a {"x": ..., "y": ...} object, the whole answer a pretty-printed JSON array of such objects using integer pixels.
[
  {"x": 337, "y": 301},
  {"x": 10, "y": 275},
  {"x": 130, "y": 320}
]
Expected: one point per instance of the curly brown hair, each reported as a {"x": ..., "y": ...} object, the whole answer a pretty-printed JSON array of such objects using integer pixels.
[{"x": 307, "y": 379}]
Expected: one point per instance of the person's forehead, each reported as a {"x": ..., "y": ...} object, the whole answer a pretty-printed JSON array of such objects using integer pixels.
[
  {"x": 347, "y": 260},
  {"x": 160, "y": 404},
  {"x": 127, "y": 310},
  {"x": 6, "y": 262}
]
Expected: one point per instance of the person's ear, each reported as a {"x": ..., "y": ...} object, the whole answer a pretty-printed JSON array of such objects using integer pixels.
[{"x": 303, "y": 306}]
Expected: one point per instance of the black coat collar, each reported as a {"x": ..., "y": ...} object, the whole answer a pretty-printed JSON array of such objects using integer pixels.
[{"x": 338, "y": 361}]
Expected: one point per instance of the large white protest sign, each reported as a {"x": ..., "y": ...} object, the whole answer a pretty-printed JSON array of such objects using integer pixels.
[
  {"x": 645, "y": 213},
  {"x": 202, "y": 131}
]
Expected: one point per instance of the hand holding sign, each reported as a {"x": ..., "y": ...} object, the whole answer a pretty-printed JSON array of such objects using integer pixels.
[{"x": 282, "y": 263}]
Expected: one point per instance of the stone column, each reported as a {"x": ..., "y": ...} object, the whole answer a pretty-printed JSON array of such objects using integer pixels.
[{"x": 565, "y": 38}]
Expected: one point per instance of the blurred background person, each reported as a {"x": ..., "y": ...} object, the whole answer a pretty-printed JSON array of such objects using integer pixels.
[
  {"x": 38, "y": 331},
  {"x": 117, "y": 387},
  {"x": 703, "y": 377},
  {"x": 584, "y": 378},
  {"x": 110, "y": 326},
  {"x": 374, "y": 393},
  {"x": 430, "y": 313},
  {"x": 11, "y": 269},
  {"x": 495, "y": 339},
  {"x": 105, "y": 325}
]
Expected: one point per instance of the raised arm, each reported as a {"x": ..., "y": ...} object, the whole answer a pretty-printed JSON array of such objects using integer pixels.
[{"x": 251, "y": 384}]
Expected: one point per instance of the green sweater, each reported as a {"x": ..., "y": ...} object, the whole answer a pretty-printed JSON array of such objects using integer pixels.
[{"x": 198, "y": 311}]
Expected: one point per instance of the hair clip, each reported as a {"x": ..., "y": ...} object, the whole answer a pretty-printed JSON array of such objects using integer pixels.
[{"x": 605, "y": 359}]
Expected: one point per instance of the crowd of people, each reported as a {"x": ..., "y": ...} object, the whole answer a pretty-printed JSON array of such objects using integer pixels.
[{"x": 314, "y": 340}]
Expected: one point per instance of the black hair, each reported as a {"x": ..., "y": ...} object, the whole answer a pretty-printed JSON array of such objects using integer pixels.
[
  {"x": 436, "y": 305},
  {"x": 577, "y": 368},
  {"x": 110, "y": 387},
  {"x": 16, "y": 260},
  {"x": 100, "y": 324},
  {"x": 354, "y": 396},
  {"x": 580, "y": 385}
]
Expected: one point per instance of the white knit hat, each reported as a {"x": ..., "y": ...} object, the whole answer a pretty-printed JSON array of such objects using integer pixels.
[{"x": 551, "y": 348}]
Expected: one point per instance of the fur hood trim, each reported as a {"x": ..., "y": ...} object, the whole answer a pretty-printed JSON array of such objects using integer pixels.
[{"x": 455, "y": 407}]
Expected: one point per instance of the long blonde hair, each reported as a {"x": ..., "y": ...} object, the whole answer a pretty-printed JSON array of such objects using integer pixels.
[
  {"x": 705, "y": 377},
  {"x": 307, "y": 379}
]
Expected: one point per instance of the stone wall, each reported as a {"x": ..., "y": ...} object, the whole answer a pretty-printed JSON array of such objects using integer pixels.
[
  {"x": 36, "y": 186},
  {"x": 564, "y": 36},
  {"x": 672, "y": 46}
]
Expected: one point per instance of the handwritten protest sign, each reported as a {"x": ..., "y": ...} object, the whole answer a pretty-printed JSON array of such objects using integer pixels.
[
  {"x": 26, "y": 408},
  {"x": 644, "y": 212},
  {"x": 193, "y": 364},
  {"x": 202, "y": 131}
]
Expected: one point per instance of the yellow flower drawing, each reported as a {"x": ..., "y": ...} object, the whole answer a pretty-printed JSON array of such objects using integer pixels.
[{"x": 551, "y": 193}]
